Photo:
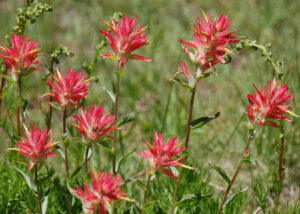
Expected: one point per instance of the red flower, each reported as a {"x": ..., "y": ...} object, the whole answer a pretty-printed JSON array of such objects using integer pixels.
[
  {"x": 124, "y": 38},
  {"x": 19, "y": 59},
  {"x": 93, "y": 124},
  {"x": 269, "y": 103},
  {"x": 160, "y": 154},
  {"x": 68, "y": 88},
  {"x": 103, "y": 190},
  {"x": 35, "y": 146},
  {"x": 209, "y": 41}
]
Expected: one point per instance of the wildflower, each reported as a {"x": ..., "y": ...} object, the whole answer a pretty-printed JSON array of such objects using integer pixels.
[
  {"x": 209, "y": 41},
  {"x": 160, "y": 154},
  {"x": 102, "y": 192},
  {"x": 68, "y": 87},
  {"x": 268, "y": 103},
  {"x": 123, "y": 38},
  {"x": 35, "y": 146},
  {"x": 93, "y": 124},
  {"x": 20, "y": 58}
]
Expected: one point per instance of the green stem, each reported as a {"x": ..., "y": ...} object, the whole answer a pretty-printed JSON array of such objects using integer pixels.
[
  {"x": 251, "y": 136},
  {"x": 1, "y": 90},
  {"x": 116, "y": 120},
  {"x": 19, "y": 110},
  {"x": 86, "y": 159},
  {"x": 280, "y": 165},
  {"x": 187, "y": 138},
  {"x": 146, "y": 193},
  {"x": 37, "y": 188}
]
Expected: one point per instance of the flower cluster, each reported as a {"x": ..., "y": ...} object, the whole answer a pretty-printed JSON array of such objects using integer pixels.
[
  {"x": 124, "y": 38},
  {"x": 68, "y": 87},
  {"x": 160, "y": 155},
  {"x": 93, "y": 124},
  {"x": 269, "y": 103},
  {"x": 35, "y": 146},
  {"x": 209, "y": 41},
  {"x": 20, "y": 57},
  {"x": 103, "y": 191}
]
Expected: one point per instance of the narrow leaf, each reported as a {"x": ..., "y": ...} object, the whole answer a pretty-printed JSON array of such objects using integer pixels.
[
  {"x": 44, "y": 205},
  {"x": 221, "y": 172},
  {"x": 249, "y": 160},
  {"x": 26, "y": 177},
  {"x": 110, "y": 93},
  {"x": 233, "y": 196},
  {"x": 127, "y": 119},
  {"x": 203, "y": 120},
  {"x": 186, "y": 199},
  {"x": 122, "y": 159},
  {"x": 184, "y": 85}
]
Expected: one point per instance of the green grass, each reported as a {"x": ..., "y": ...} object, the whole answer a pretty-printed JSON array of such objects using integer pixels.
[{"x": 145, "y": 89}]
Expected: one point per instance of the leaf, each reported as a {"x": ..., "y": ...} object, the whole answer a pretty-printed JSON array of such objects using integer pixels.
[
  {"x": 249, "y": 160},
  {"x": 140, "y": 184},
  {"x": 110, "y": 93},
  {"x": 122, "y": 159},
  {"x": 44, "y": 205},
  {"x": 127, "y": 119},
  {"x": 186, "y": 199},
  {"x": 233, "y": 196},
  {"x": 150, "y": 204},
  {"x": 26, "y": 177},
  {"x": 75, "y": 173},
  {"x": 203, "y": 120},
  {"x": 184, "y": 85},
  {"x": 222, "y": 173},
  {"x": 105, "y": 146}
]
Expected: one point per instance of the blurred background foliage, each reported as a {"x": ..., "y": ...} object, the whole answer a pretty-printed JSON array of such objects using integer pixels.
[{"x": 159, "y": 105}]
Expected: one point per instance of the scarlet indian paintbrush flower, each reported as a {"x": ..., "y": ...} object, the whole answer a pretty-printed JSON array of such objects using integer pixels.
[
  {"x": 35, "y": 146},
  {"x": 20, "y": 57},
  {"x": 93, "y": 124},
  {"x": 124, "y": 38},
  {"x": 68, "y": 87},
  {"x": 209, "y": 41},
  {"x": 269, "y": 103},
  {"x": 161, "y": 154},
  {"x": 101, "y": 193}
]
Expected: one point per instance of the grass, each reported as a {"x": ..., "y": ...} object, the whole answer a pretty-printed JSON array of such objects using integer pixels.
[{"x": 159, "y": 105}]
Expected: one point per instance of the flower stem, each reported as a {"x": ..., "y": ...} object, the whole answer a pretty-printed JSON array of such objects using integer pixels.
[
  {"x": 19, "y": 110},
  {"x": 281, "y": 163},
  {"x": 146, "y": 193},
  {"x": 65, "y": 142},
  {"x": 37, "y": 188},
  {"x": 186, "y": 144},
  {"x": 116, "y": 120},
  {"x": 250, "y": 137},
  {"x": 1, "y": 90},
  {"x": 86, "y": 159}
]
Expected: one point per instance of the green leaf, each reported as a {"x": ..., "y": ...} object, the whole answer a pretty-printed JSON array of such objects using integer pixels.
[
  {"x": 105, "y": 146},
  {"x": 122, "y": 159},
  {"x": 44, "y": 205},
  {"x": 127, "y": 119},
  {"x": 140, "y": 184},
  {"x": 249, "y": 160},
  {"x": 221, "y": 172},
  {"x": 203, "y": 120},
  {"x": 233, "y": 196},
  {"x": 76, "y": 172},
  {"x": 186, "y": 199},
  {"x": 27, "y": 178},
  {"x": 184, "y": 85},
  {"x": 120, "y": 73},
  {"x": 110, "y": 93},
  {"x": 150, "y": 204}
]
